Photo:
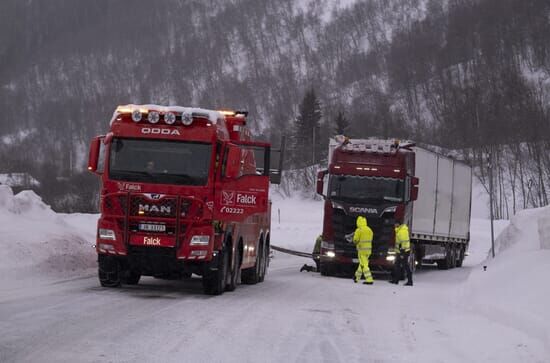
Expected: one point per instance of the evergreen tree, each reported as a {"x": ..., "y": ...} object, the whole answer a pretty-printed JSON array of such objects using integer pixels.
[
  {"x": 307, "y": 143},
  {"x": 341, "y": 124}
]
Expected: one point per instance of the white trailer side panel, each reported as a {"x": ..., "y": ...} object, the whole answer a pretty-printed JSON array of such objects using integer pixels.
[
  {"x": 424, "y": 206},
  {"x": 444, "y": 196},
  {"x": 462, "y": 191}
]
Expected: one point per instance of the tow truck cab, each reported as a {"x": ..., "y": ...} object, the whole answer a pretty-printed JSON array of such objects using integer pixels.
[{"x": 183, "y": 190}]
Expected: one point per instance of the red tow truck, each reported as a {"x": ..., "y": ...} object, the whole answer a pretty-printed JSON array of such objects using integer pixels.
[
  {"x": 183, "y": 191},
  {"x": 388, "y": 181}
]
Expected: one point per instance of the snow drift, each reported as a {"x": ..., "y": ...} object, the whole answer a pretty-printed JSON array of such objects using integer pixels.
[{"x": 37, "y": 242}]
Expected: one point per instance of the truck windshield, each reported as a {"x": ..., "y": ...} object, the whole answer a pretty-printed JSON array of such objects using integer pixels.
[
  {"x": 160, "y": 161},
  {"x": 363, "y": 187}
]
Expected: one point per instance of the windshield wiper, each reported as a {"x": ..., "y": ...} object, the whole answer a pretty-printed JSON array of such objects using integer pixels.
[{"x": 133, "y": 172}]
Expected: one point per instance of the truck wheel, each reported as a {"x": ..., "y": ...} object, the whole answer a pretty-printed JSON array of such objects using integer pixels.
[
  {"x": 460, "y": 257},
  {"x": 264, "y": 262},
  {"x": 453, "y": 257},
  {"x": 445, "y": 263},
  {"x": 108, "y": 271},
  {"x": 131, "y": 277},
  {"x": 235, "y": 276},
  {"x": 213, "y": 282},
  {"x": 251, "y": 276}
]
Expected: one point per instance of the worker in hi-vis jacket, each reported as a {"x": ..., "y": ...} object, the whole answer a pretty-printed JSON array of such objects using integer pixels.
[
  {"x": 362, "y": 238},
  {"x": 403, "y": 251}
]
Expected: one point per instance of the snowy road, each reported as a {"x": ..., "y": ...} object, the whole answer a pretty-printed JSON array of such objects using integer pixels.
[
  {"x": 53, "y": 310},
  {"x": 291, "y": 317}
]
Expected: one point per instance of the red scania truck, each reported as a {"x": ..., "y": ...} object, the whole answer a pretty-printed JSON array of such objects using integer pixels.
[
  {"x": 183, "y": 190},
  {"x": 388, "y": 181}
]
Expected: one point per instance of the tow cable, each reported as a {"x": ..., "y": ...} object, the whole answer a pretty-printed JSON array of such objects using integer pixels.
[{"x": 291, "y": 252}]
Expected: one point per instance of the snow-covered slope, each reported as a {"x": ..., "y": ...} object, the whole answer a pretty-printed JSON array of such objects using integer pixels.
[{"x": 38, "y": 243}]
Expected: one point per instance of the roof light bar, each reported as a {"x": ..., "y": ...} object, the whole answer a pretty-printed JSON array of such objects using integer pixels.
[
  {"x": 136, "y": 115},
  {"x": 169, "y": 118},
  {"x": 186, "y": 118},
  {"x": 153, "y": 117}
]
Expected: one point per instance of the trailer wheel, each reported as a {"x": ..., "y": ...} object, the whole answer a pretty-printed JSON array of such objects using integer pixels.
[
  {"x": 445, "y": 263},
  {"x": 213, "y": 282},
  {"x": 235, "y": 276},
  {"x": 108, "y": 271},
  {"x": 454, "y": 256},
  {"x": 461, "y": 254},
  {"x": 131, "y": 277}
]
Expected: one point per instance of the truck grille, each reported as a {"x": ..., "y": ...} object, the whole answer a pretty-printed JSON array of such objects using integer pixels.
[
  {"x": 143, "y": 207},
  {"x": 115, "y": 204},
  {"x": 344, "y": 224}
]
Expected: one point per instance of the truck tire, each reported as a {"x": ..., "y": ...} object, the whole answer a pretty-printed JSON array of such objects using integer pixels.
[
  {"x": 445, "y": 263},
  {"x": 108, "y": 271},
  {"x": 264, "y": 262},
  {"x": 251, "y": 276},
  {"x": 454, "y": 256},
  {"x": 461, "y": 254},
  {"x": 213, "y": 282},
  {"x": 131, "y": 277},
  {"x": 235, "y": 277}
]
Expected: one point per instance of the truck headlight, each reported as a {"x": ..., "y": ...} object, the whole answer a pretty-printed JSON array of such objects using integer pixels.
[
  {"x": 107, "y": 234},
  {"x": 331, "y": 254},
  {"x": 390, "y": 258},
  {"x": 200, "y": 240},
  {"x": 390, "y": 209}
]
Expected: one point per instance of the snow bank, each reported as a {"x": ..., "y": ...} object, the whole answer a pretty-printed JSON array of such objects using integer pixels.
[
  {"x": 512, "y": 290},
  {"x": 525, "y": 231},
  {"x": 37, "y": 242}
]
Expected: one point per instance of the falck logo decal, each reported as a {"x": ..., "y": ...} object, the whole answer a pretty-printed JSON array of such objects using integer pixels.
[{"x": 228, "y": 198}]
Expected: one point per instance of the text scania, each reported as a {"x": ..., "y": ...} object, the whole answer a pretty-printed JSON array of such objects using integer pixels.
[
  {"x": 246, "y": 199},
  {"x": 159, "y": 131},
  {"x": 363, "y": 210},
  {"x": 151, "y": 241}
]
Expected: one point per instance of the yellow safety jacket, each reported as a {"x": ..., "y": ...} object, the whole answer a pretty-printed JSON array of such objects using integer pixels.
[
  {"x": 362, "y": 238},
  {"x": 402, "y": 240}
]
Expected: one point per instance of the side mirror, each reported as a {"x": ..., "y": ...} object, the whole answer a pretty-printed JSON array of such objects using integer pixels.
[
  {"x": 414, "y": 188},
  {"x": 93, "y": 157},
  {"x": 320, "y": 177},
  {"x": 233, "y": 162}
]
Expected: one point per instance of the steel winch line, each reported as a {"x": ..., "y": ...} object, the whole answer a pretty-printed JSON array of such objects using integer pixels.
[{"x": 292, "y": 252}]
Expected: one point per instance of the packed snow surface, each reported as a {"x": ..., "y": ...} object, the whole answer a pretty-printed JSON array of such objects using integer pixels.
[{"x": 52, "y": 308}]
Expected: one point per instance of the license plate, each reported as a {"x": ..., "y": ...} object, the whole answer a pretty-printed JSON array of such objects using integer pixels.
[
  {"x": 355, "y": 260},
  {"x": 148, "y": 227}
]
